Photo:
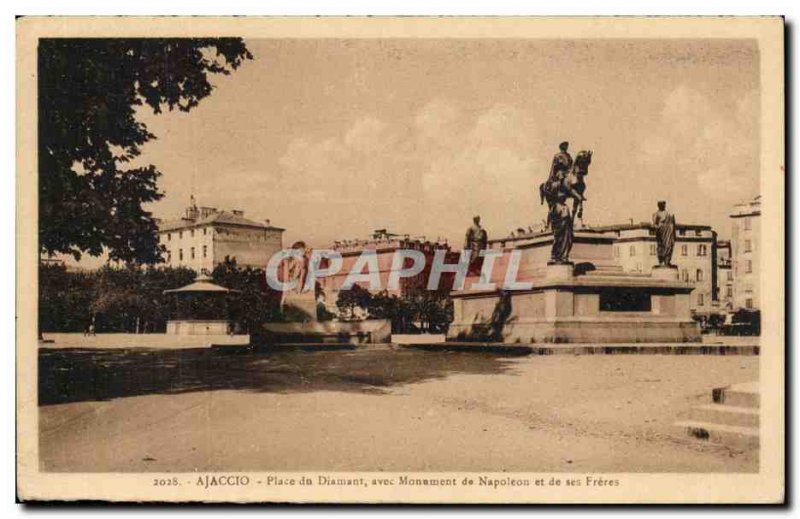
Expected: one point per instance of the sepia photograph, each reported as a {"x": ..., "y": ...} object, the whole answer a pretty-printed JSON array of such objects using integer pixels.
[{"x": 400, "y": 260}]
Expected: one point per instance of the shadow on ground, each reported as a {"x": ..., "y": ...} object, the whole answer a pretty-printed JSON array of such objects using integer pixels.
[{"x": 77, "y": 375}]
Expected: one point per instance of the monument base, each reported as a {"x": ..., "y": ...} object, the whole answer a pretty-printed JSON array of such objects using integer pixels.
[
  {"x": 300, "y": 307},
  {"x": 593, "y": 301},
  {"x": 302, "y": 327},
  {"x": 370, "y": 331},
  {"x": 664, "y": 272}
]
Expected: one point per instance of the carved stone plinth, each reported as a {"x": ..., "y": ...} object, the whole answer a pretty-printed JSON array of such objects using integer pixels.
[
  {"x": 300, "y": 307},
  {"x": 669, "y": 273},
  {"x": 593, "y": 301}
]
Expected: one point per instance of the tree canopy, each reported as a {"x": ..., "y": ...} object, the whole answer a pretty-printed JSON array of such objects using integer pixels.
[{"x": 89, "y": 89}]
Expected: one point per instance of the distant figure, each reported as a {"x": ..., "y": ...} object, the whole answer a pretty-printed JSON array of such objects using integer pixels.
[
  {"x": 90, "y": 330},
  {"x": 664, "y": 222},
  {"x": 476, "y": 240}
]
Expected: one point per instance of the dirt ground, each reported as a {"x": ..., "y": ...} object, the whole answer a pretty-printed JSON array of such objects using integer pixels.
[{"x": 136, "y": 410}]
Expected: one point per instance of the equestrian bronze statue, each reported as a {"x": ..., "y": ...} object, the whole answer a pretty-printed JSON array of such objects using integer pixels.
[{"x": 566, "y": 178}]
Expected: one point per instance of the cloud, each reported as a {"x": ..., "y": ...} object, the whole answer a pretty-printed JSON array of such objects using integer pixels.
[
  {"x": 712, "y": 144},
  {"x": 427, "y": 173}
]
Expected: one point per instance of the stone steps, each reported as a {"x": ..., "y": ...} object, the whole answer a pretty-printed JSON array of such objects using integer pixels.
[
  {"x": 743, "y": 395},
  {"x": 732, "y": 419},
  {"x": 675, "y": 348},
  {"x": 730, "y": 435},
  {"x": 725, "y": 415}
]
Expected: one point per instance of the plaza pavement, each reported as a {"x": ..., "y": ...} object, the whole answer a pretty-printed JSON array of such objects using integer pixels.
[{"x": 198, "y": 410}]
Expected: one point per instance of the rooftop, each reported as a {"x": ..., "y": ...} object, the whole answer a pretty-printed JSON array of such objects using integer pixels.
[
  {"x": 750, "y": 208},
  {"x": 197, "y": 217}
]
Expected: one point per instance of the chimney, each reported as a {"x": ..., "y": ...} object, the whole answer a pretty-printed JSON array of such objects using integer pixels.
[{"x": 207, "y": 211}]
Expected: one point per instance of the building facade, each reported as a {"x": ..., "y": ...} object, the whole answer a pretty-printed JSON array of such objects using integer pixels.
[
  {"x": 384, "y": 245},
  {"x": 205, "y": 236},
  {"x": 694, "y": 255},
  {"x": 725, "y": 275},
  {"x": 745, "y": 245}
]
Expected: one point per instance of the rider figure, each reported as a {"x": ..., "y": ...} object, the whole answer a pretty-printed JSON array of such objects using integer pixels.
[{"x": 562, "y": 163}]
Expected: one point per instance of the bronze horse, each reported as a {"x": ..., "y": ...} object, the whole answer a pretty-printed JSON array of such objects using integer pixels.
[{"x": 571, "y": 184}]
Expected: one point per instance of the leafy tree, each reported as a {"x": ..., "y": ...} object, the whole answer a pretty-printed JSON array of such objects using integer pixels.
[
  {"x": 747, "y": 322},
  {"x": 89, "y": 90},
  {"x": 253, "y": 302},
  {"x": 349, "y": 300},
  {"x": 64, "y": 299},
  {"x": 433, "y": 309},
  {"x": 121, "y": 299},
  {"x": 398, "y": 310},
  {"x": 426, "y": 311}
]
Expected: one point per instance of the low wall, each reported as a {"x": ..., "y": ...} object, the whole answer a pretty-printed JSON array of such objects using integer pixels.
[
  {"x": 421, "y": 338},
  {"x": 197, "y": 327},
  {"x": 370, "y": 331},
  {"x": 139, "y": 340}
]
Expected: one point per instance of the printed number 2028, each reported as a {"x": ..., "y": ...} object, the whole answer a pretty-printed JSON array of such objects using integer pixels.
[{"x": 168, "y": 482}]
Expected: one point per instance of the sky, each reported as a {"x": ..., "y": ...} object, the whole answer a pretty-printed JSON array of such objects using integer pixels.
[{"x": 332, "y": 138}]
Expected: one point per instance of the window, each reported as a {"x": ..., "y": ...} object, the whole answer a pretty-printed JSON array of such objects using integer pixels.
[
  {"x": 205, "y": 249},
  {"x": 684, "y": 250},
  {"x": 204, "y": 231},
  {"x": 169, "y": 236},
  {"x": 180, "y": 254},
  {"x": 192, "y": 233},
  {"x": 192, "y": 252},
  {"x": 748, "y": 246},
  {"x": 702, "y": 250},
  {"x": 652, "y": 249},
  {"x": 633, "y": 251},
  {"x": 701, "y": 299},
  {"x": 729, "y": 292},
  {"x": 748, "y": 266},
  {"x": 747, "y": 224},
  {"x": 180, "y": 234},
  {"x": 685, "y": 275},
  {"x": 729, "y": 275},
  {"x": 699, "y": 275},
  {"x": 748, "y": 303}
]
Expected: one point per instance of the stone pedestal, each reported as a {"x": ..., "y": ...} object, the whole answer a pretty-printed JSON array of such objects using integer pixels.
[
  {"x": 301, "y": 327},
  {"x": 668, "y": 273},
  {"x": 300, "y": 307},
  {"x": 593, "y": 301},
  {"x": 559, "y": 271}
]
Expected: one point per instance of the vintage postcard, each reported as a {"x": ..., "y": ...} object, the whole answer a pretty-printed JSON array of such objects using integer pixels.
[{"x": 401, "y": 260}]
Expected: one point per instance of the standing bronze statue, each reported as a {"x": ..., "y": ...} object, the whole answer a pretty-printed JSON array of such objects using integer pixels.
[
  {"x": 476, "y": 240},
  {"x": 664, "y": 222},
  {"x": 563, "y": 232}
]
